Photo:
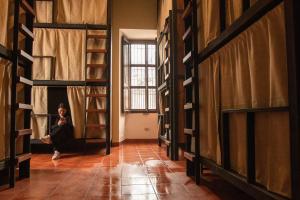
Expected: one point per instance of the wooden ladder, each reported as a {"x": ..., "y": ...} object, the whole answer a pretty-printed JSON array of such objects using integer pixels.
[
  {"x": 92, "y": 82},
  {"x": 24, "y": 59},
  {"x": 191, "y": 85}
]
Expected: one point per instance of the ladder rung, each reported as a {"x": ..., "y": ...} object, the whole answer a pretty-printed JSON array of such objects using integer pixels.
[
  {"x": 162, "y": 86},
  {"x": 189, "y": 131},
  {"x": 96, "y": 110},
  {"x": 167, "y": 109},
  {"x": 167, "y": 126},
  {"x": 167, "y": 76},
  {"x": 95, "y": 126},
  {"x": 189, "y": 156},
  {"x": 26, "y": 31},
  {"x": 188, "y": 81},
  {"x": 96, "y": 95},
  {"x": 96, "y": 51},
  {"x": 167, "y": 44},
  {"x": 187, "y": 57},
  {"x": 167, "y": 93},
  {"x": 95, "y": 36},
  {"x": 24, "y": 106},
  {"x": 23, "y": 157},
  {"x": 94, "y": 140},
  {"x": 187, "y": 10},
  {"x": 26, "y": 6},
  {"x": 25, "y": 55},
  {"x": 96, "y": 80},
  {"x": 96, "y": 65},
  {"x": 166, "y": 60},
  {"x": 187, "y": 34},
  {"x": 25, "y": 81},
  {"x": 188, "y": 106},
  {"x": 165, "y": 140},
  {"x": 23, "y": 132}
]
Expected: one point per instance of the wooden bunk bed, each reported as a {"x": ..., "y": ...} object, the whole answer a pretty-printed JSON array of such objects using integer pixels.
[
  {"x": 94, "y": 33},
  {"x": 21, "y": 58},
  {"x": 170, "y": 79},
  {"x": 196, "y": 161}
]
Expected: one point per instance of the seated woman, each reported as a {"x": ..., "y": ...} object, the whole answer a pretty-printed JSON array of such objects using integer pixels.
[{"x": 61, "y": 131}]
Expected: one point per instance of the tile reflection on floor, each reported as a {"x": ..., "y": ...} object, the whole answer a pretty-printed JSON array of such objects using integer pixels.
[{"x": 132, "y": 171}]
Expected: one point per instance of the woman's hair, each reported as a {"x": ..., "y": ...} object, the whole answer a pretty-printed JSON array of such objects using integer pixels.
[{"x": 62, "y": 105}]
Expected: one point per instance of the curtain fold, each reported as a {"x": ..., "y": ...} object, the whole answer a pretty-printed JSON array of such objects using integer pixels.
[
  {"x": 39, "y": 100},
  {"x": 44, "y": 11},
  {"x": 234, "y": 9},
  {"x": 76, "y": 102}
]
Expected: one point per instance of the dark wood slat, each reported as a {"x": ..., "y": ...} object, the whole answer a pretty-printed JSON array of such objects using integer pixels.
[
  {"x": 271, "y": 109},
  {"x": 187, "y": 11},
  {"x": 162, "y": 86},
  {"x": 24, "y": 106},
  {"x": 189, "y": 131},
  {"x": 187, "y": 57},
  {"x": 96, "y": 65},
  {"x": 25, "y": 81},
  {"x": 189, "y": 156},
  {"x": 58, "y": 83},
  {"x": 26, "y": 56},
  {"x": 23, "y": 157},
  {"x": 187, "y": 34},
  {"x": 95, "y": 36},
  {"x": 5, "y": 53},
  {"x": 94, "y": 140},
  {"x": 96, "y": 51},
  {"x": 188, "y": 81},
  {"x": 24, "y": 30},
  {"x": 165, "y": 140},
  {"x": 26, "y": 6},
  {"x": 96, "y": 80},
  {"x": 96, "y": 110},
  {"x": 23, "y": 132},
  {"x": 188, "y": 106},
  {"x": 71, "y": 26}
]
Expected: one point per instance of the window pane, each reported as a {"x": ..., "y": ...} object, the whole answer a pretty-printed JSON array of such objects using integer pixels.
[
  {"x": 138, "y": 76},
  {"x": 138, "y": 99},
  {"x": 151, "y": 54},
  {"x": 151, "y": 76},
  {"x": 137, "y": 54},
  {"x": 152, "y": 99}
]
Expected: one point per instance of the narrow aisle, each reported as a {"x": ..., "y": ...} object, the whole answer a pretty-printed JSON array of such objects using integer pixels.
[{"x": 132, "y": 171}]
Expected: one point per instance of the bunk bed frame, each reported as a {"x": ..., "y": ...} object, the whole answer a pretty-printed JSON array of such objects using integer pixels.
[
  {"x": 19, "y": 58},
  {"x": 250, "y": 16},
  {"x": 168, "y": 82},
  {"x": 88, "y": 82}
]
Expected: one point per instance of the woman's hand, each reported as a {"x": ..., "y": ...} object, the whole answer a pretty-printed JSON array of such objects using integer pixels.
[{"x": 61, "y": 122}]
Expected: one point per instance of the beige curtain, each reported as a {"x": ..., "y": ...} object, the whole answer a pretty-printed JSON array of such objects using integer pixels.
[
  {"x": 6, "y": 22},
  {"x": 81, "y": 11},
  {"x": 44, "y": 11},
  {"x": 209, "y": 108},
  {"x": 164, "y": 6},
  {"x": 68, "y": 49},
  {"x": 208, "y": 22},
  {"x": 95, "y": 118},
  {"x": 5, "y": 84},
  {"x": 39, "y": 100},
  {"x": 234, "y": 9},
  {"x": 76, "y": 102}
]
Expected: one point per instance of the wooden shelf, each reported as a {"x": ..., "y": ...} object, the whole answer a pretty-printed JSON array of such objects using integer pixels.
[
  {"x": 188, "y": 106},
  {"x": 189, "y": 156},
  {"x": 23, "y": 80},
  {"x": 23, "y": 157},
  {"x": 25, "y": 31},
  {"x": 24, "y": 106},
  {"x": 23, "y": 132},
  {"x": 96, "y": 80},
  {"x": 188, "y": 81},
  {"x": 26, "y": 56},
  {"x": 188, "y": 131}
]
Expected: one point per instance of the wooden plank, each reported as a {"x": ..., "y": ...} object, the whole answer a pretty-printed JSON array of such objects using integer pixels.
[
  {"x": 95, "y": 140},
  {"x": 167, "y": 109},
  {"x": 187, "y": 57},
  {"x": 27, "y": 7},
  {"x": 189, "y": 156},
  {"x": 187, "y": 11},
  {"x": 162, "y": 86},
  {"x": 23, "y": 132},
  {"x": 25, "y": 81},
  {"x": 189, "y": 131},
  {"x": 23, "y": 157},
  {"x": 72, "y": 26},
  {"x": 167, "y": 126},
  {"x": 165, "y": 140},
  {"x": 96, "y": 81},
  {"x": 188, "y": 106},
  {"x": 188, "y": 82},
  {"x": 25, "y": 55},
  {"x": 187, "y": 34},
  {"x": 24, "y": 106},
  {"x": 26, "y": 32},
  {"x": 167, "y": 93}
]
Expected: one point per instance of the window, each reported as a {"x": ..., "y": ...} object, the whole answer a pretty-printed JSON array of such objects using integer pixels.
[{"x": 138, "y": 76}]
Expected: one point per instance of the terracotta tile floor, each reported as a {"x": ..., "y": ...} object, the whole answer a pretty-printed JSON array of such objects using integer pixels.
[{"x": 132, "y": 171}]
